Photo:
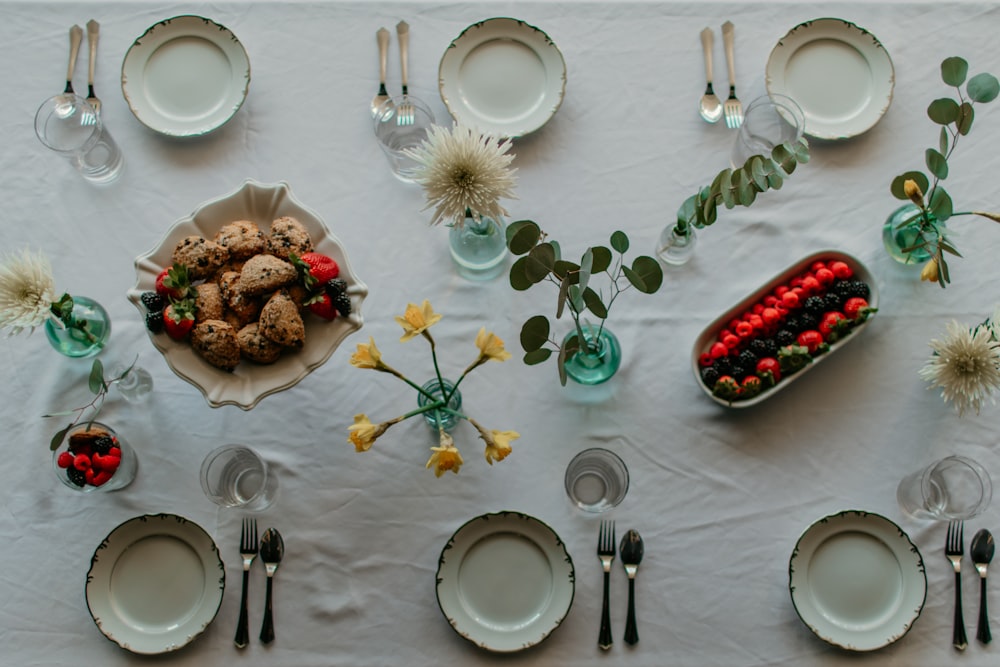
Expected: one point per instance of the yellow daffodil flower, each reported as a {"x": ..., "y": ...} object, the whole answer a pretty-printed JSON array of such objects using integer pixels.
[
  {"x": 363, "y": 433},
  {"x": 930, "y": 271},
  {"x": 367, "y": 356},
  {"x": 417, "y": 319},
  {"x": 912, "y": 190},
  {"x": 446, "y": 457},
  {"x": 490, "y": 346},
  {"x": 498, "y": 444}
]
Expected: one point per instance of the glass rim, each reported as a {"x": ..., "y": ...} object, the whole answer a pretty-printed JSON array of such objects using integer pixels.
[
  {"x": 213, "y": 455},
  {"x": 49, "y": 105}
]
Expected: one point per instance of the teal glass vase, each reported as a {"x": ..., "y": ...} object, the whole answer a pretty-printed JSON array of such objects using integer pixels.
[
  {"x": 437, "y": 419},
  {"x": 88, "y": 334},
  {"x": 597, "y": 360},
  {"x": 903, "y": 230},
  {"x": 478, "y": 248}
]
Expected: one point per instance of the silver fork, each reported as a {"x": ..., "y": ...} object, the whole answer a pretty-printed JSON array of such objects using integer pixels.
[
  {"x": 733, "y": 108},
  {"x": 248, "y": 551},
  {"x": 93, "y": 32},
  {"x": 606, "y": 552},
  {"x": 404, "y": 113},
  {"x": 953, "y": 551}
]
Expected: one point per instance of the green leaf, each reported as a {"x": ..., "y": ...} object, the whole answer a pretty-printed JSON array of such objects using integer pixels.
[
  {"x": 937, "y": 164},
  {"x": 537, "y": 356},
  {"x": 948, "y": 248},
  {"x": 586, "y": 264},
  {"x": 943, "y": 140},
  {"x": 943, "y": 111},
  {"x": 758, "y": 172},
  {"x": 556, "y": 249},
  {"x": 619, "y": 241},
  {"x": 594, "y": 303},
  {"x": 58, "y": 438},
  {"x": 535, "y": 333},
  {"x": 96, "y": 379},
  {"x": 783, "y": 156},
  {"x": 541, "y": 259},
  {"x": 566, "y": 270},
  {"x": 522, "y": 236},
  {"x": 519, "y": 274},
  {"x": 897, "y": 184},
  {"x": 954, "y": 71},
  {"x": 563, "y": 294},
  {"x": 983, "y": 88},
  {"x": 775, "y": 180},
  {"x": 646, "y": 274},
  {"x": 601, "y": 258},
  {"x": 800, "y": 149},
  {"x": 576, "y": 298},
  {"x": 965, "y": 117},
  {"x": 940, "y": 204}
]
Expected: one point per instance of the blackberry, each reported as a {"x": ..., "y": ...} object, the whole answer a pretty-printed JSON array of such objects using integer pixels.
[
  {"x": 723, "y": 365},
  {"x": 710, "y": 375},
  {"x": 152, "y": 301},
  {"x": 748, "y": 358},
  {"x": 784, "y": 337},
  {"x": 760, "y": 347},
  {"x": 342, "y": 302},
  {"x": 336, "y": 286},
  {"x": 102, "y": 444},
  {"x": 770, "y": 347},
  {"x": 793, "y": 323},
  {"x": 738, "y": 371},
  {"x": 154, "y": 321},
  {"x": 858, "y": 288},
  {"x": 809, "y": 321},
  {"x": 833, "y": 301},
  {"x": 75, "y": 476},
  {"x": 814, "y": 306}
]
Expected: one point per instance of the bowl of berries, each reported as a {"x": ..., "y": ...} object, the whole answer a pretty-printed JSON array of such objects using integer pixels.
[
  {"x": 784, "y": 329},
  {"x": 248, "y": 295},
  {"x": 92, "y": 457}
]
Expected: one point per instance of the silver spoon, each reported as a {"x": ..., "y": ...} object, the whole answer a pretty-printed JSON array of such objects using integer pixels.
[
  {"x": 631, "y": 552},
  {"x": 75, "y": 38},
  {"x": 272, "y": 549},
  {"x": 981, "y": 550},
  {"x": 382, "y": 35},
  {"x": 711, "y": 107}
]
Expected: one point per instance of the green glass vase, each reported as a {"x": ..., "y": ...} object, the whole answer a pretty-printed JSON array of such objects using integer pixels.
[
  {"x": 90, "y": 332},
  {"x": 437, "y": 419},
  {"x": 597, "y": 360},
  {"x": 903, "y": 230}
]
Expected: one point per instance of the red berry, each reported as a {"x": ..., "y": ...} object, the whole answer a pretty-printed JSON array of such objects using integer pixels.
[
  {"x": 744, "y": 329},
  {"x": 817, "y": 266},
  {"x": 790, "y": 300},
  {"x": 770, "y": 300},
  {"x": 857, "y": 308},
  {"x": 825, "y": 277},
  {"x": 726, "y": 388},
  {"x": 65, "y": 460},
  {"x": 832, "y": 325},
  {"x": 769, "y": 370},
  {"x": 780, "y": 290},
  {"x": 115, "y": 451},
  {"x": 101, "y": 477},
  {"x": 841, "y": 270},
  {"x": 81, "y": 461},
  {"x": 718, "y": 350},
  {"x": 810, "y": 285},
  {"x": 174, "y": 282},
  {"x": 89, "y": 475},
  {"x": 751, "y": 386},
  {"x": 321, "y": 267},
  {"x": 730, "y": 342},
  {"x": 813, "y": 341},
  {"x": 771, "y": 316},
  {"x": 178, "y": 321},
  {"x": 322, "y": 306},
  {"x": 705, "y": 359}
]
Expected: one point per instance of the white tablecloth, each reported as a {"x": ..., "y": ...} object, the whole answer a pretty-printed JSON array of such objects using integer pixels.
[{"x": 720, "y": 496}]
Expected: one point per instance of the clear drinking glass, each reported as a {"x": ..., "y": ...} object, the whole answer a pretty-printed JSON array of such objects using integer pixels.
[
  {"x": 767, "y": 122},
  {"x": 956, "y": 487},
  {"x": 236, "y": 476},
  {"x": 396, "y": 132},
  {"x": 596, "y": 480},
  {"x": 71, "y": 127}
]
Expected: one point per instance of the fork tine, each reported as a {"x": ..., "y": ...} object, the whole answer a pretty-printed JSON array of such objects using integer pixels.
[
  {"x": 253, "y": 537},
  {"x": 243, "y": 535}
]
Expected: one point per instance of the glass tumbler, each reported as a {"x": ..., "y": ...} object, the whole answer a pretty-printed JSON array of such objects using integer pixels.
[
  {"x": 402, "y": 122},
  {"x": 236, "y": 476},
  {"x": 596, "y": 480},
  {"x": 768, "y": 122},
  {"x": 70, "y": 126},
  {"x": 956, "y": 487}
]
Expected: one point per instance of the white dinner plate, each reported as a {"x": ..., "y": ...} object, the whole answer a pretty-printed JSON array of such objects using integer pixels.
[
  {"x": 839, "y": 74},
  {"x": 155, "y": 583},
  {"x": 505, "y": 581},
  {"x": 502, "y": 77},
  {"x": 857, "y": 580},
  {"x": 185, "y": 76}
]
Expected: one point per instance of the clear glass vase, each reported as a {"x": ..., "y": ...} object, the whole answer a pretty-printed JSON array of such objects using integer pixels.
[
  {"x": 478, "y": 248},
  {"x": 676, "y": 248},
  {"x": 88, "y": 337},
  {"x": 902, "y": 230},
  {"x": 438, "y": 419},
  {"x": 597, "y": 360}
]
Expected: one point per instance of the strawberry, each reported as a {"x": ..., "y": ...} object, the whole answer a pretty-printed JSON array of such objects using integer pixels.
[
  {"x": 856, "y": 308},
  {"x": 833, "y": 325},
  {"x": 178, "y": 320},
  {"x": 174, "y": 282},
  {"x": 813, "y": 341},
  {"x": 793, "y": 358},
  {"x": 751, "y": 386},
  {"x": 769, "y": 371},
  {"x": 321, "y": 305},
  {"x": 726, "y": 388},
  {"x": 315, "y": 268}
]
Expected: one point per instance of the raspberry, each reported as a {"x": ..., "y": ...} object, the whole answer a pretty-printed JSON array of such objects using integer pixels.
[
  {"x": 115, "y": 452},
  {"x": 101, "y": 477},
  {"x": 81, "y": 461},
  {"x": 65, "y": 460}
]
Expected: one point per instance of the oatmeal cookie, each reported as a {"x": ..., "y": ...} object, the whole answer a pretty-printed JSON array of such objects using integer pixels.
[
  {"x": 257, "y": 347},
  {"x": 288, "y": 235},
  {"x": 281, "y": 322},
  {"x": 208, "y": 302},
  {"x": 201, "y": 256},
  {"x": 215, "y": 341},
  {"x": 242, "y": 238},
  {"x": 266, "y": 273}
]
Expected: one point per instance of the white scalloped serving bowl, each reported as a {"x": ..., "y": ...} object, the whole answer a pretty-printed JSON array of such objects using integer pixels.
[{"x": 250, "y": 382}]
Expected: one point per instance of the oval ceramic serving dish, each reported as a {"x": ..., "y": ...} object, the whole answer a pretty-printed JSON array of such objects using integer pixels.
[{"x": 710, "y": 334}]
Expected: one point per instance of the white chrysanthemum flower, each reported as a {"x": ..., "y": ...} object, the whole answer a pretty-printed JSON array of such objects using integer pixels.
[
  {"x": 966, "y": 365},
  {"x": 27, "y": 291},
  {"x": 462, "y": 170}
]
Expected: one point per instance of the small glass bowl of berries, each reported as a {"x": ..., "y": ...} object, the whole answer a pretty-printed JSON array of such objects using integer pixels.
[{"x": 92, "y": 457}]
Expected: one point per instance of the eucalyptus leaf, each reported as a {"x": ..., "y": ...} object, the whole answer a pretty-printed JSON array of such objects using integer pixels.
[
  {"x": 96, "y": 379},
  {"x": 783, "y": 156},
  {"x": 539, "y": 263},
  {"x": 947, "y": 247},
  {"x": 983, "y": 88},
  {"x": 775, "y": 180},
  {"x": 943, "y": 140},
  {"x": 564, "y": 270},
  {"x": 537, "y": 356},
  {"x": 535, "y": 333},
  {"x": 944, "y": 275},
  {"x": 519, "y": 275},
  {"x": 758, "y": 172},
  {"x": 619, "y": 241},
  {"x": 586, "y": 264},
  {"x": 954, "y": 71},
  {"x": 943, "y": 111},
  {"x": 522, "y": 236},
  {"x": 800, "y": 149},
  {"x": 937, "y": 164},
  {"x": 594, "y": 303},
  {"x": 602, "y": 258},
  {"x": 563, "y": 294},
  {"x": 940, "y": 204},
  {"x": 646, "y": 274},
  {"x": 556, "y": 249},
  {"x": 58, "y": 438},
  {"x": 916, "y": 176},
  {"x": 965, "y": 117},
  {"x": 575, "y": 293}
]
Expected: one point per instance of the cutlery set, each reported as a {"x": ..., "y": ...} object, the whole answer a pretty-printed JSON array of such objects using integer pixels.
[
  {"x": 75, "y": 40},
  {"x": 631, "y": 552},
  {"x": 404, "y": 112},
  {"x": 271, "y": 549},
  {"x": 711, "y": 109},
  {"x": 981, "y": 551}
]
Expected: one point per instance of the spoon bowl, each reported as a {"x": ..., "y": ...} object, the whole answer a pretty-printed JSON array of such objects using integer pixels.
[
  {"x": 382, "y": 96},
  {"x": 710, "y": 107},
  {"x": 981, "y": 550},
  {"x": 272, "y": 550},
  {"x": 631, "y": 550}
]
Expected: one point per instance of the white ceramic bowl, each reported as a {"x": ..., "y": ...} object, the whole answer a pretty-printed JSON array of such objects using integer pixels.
[{"x": 250, "y": 382}]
